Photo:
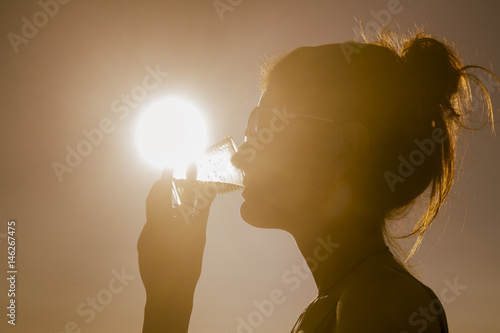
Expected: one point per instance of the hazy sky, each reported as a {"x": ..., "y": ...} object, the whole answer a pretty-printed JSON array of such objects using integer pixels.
[{"x": 65, "y": 76}]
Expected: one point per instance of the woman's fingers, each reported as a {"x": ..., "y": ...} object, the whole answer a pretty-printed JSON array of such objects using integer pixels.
[
  {"x": 159, "y": 201},
  {"x": 167, "y": 174}
]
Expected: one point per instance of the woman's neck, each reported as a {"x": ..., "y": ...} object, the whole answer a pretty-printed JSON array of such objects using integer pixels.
[{"x": 336, "y": 249}]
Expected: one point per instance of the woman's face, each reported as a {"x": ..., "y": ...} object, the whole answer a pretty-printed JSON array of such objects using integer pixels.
[{"x": 287, "y": 178}]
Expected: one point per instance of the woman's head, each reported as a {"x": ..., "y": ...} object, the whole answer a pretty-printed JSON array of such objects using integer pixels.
[{"x": 395, "y": 115}]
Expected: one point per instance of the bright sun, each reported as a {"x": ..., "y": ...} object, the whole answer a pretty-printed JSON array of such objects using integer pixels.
[{"x": 171, "y": 133}]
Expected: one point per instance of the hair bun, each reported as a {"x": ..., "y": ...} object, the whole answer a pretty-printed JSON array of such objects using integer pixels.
[{"x": 433, "y": 68}]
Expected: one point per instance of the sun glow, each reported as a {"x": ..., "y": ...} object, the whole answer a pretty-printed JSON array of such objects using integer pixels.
[{"x": 171, "y": 133}]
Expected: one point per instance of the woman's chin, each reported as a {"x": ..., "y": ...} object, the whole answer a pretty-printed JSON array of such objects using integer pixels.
[{"x": 251, "y": 215}]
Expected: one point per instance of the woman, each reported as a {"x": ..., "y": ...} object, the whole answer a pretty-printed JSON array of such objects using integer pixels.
[{"x": 345, "y": 137}]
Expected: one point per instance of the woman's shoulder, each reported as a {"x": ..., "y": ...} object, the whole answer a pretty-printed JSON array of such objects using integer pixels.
[{"x": 388, "y": 298}]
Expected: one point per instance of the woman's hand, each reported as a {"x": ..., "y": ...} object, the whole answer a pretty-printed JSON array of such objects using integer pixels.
[{"x": 170, "y": 251}]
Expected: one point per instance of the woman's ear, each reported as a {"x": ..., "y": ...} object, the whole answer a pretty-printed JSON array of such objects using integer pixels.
[{"x": 355, "y": 141}]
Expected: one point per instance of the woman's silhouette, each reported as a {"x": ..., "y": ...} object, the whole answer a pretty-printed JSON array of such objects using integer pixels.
[{"x": 345, "y": 136}]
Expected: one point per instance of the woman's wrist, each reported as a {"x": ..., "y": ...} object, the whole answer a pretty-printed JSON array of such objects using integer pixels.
[{"x": 167, "y": 314}]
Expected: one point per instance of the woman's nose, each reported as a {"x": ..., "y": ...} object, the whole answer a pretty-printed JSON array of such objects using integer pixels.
[{"x": 239, "y": 159}]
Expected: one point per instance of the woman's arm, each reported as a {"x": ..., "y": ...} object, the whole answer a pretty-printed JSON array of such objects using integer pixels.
[
  {"x": 167, "y": 315},
  {"x": 170, "y": 250}
]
